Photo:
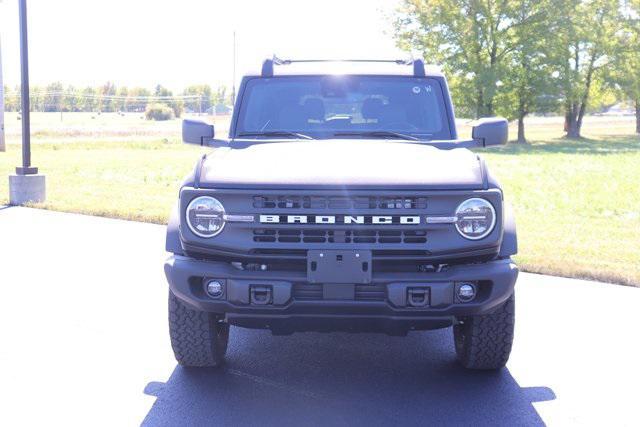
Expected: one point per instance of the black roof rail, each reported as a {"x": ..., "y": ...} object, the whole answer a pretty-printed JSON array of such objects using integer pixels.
[{"x": 267, "y": 65}]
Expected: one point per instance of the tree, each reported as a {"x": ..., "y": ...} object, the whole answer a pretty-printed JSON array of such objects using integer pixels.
[
  {"x": 121, "y": 102},
  {"x": 162, "y": 91},
  {"x": 37, "y": 98},
  {"x": 89, "y": 100},
  {"x": 71, "y": 101},
  {"x": 137, "y": 99},
  {"x": 586, "y": 39},
  {"x": 471, "y": 38},
  {"x": 220, "y": 97},
  {"x": 527, "y": 85},
  {"x": 200, "y": 104},
  {"x": 166, "y": 97},
  {"x": 53, "y": 96},
  {"x": 625, "y": 74},
  {"x": 106, "y": 102},
  {"x": 12, "y": 98}
]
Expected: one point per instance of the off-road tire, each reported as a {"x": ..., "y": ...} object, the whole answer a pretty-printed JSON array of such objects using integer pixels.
[
  {"x": 198, "y": 338},
  {"x": 484, "y": 342}
]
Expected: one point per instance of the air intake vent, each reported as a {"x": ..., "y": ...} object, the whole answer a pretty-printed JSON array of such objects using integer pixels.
[
  {"x": 265, "y": 235},
  {"x": 338, "y": 202},
  {"x": 305, "y": 291}
]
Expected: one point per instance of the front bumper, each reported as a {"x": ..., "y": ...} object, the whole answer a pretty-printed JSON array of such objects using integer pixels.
[{"x": 294, "y": 304}]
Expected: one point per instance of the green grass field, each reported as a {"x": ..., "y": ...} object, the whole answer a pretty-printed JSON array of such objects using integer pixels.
[{"x": 577, "y": 202}]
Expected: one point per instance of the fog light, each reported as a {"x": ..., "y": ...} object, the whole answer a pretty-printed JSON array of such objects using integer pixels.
[
  {"x": 214, "y": 288},
  {"x": 466, "y": 292}
]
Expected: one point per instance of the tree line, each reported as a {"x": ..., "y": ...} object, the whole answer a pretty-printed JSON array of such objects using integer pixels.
[
  {"x": 57, "y": 97},
  {"x": 518, "y": 57}
]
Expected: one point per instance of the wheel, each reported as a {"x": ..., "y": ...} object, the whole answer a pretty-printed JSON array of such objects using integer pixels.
[
  {"x": 484, "y": 342},
  {"x": 197, "y": 338}
]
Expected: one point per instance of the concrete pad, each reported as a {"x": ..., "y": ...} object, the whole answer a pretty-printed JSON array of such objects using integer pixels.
[
  {"x": 84, "y": 341},
  {"x": 27, "y": 188}
]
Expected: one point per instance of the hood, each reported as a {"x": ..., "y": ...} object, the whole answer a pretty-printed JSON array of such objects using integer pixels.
[{"x": 342, "y": 163}]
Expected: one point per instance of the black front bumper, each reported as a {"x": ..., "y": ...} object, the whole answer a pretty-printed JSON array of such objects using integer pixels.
[{"x": 294, "y": 304}]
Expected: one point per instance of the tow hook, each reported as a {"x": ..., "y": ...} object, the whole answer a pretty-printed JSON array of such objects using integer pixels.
[
  {"x": 417, "y": 297},
  {"x": 261, "y": 295}
]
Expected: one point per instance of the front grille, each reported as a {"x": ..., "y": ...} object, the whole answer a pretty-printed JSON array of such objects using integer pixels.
[
  {"x": 272, "y": 235},
  {"x": 339, "y": 202},
  {"x": 310, "y": 292}
]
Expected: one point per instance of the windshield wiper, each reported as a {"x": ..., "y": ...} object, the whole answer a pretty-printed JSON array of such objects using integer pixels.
[
  {"x": 276, "y": 133},
  {"x": 379, "y": 134}
]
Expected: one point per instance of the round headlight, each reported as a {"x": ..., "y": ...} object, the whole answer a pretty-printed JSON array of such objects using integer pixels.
[
  {"x": 205, "y": 216},
  {"x": 475, "y": 218}
]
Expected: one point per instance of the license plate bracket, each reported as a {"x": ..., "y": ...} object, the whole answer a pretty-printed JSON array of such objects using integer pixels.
[{"x": 337, "y": 266}]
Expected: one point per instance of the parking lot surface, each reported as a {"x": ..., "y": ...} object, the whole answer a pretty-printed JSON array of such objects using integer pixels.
[{"x": 85, "y": 342}]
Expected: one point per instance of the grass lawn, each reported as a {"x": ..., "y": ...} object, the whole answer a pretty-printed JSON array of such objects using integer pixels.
[{"x": 577, "y": 203}]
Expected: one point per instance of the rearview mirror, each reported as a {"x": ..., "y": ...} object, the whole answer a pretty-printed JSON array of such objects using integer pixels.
[
  {"x": 490, "y": 131},
  {"x": 197, "y": 132}
]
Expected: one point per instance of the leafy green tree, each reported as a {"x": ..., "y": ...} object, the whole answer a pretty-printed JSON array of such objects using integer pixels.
[
  {"x": 220, "y": 97},
  {"x": 12, "y": 98},
  {"x": 137, "y": 99},
  {"x": 162, "y": 91},
  {"x": 166, "y": 97},
  {"x": 106, "y": 92},
  {"x": 89, "y": 100},
  {"x": 200, "y": 104},
  {"x": 53, "y": 97},
  {"x": 121, "y": 103},
  {"x": 585, "y": 40},
  {"x": 527, "y": 84},
  {"x": 71, "y": 100},
  {"x": 472, "y": 38},
  {"x": 37, "y": 98},
  {"x": 625, "y": 72}
]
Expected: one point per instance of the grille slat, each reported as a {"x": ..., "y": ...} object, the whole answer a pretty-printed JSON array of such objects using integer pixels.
[
  {"x": 263, "y": 235},
  {"x": 304, "y": 291},
  {"x": 339, "y": 202}
]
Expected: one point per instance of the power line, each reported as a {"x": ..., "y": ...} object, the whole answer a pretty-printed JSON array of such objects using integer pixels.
[{"x": 114, "y": 97}]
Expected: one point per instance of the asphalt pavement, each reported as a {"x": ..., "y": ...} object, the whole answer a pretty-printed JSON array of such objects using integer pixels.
[{"x": 84, "y": 341}]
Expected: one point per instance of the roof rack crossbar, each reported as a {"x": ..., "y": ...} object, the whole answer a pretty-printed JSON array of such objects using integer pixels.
[{"x": 267, "y": 65}]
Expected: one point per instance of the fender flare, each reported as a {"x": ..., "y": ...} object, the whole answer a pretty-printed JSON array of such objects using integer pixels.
[{"x": 509, "y": 244}]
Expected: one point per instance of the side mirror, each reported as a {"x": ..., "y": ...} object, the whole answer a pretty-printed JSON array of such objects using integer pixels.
[
  {"x": 197, "y": 132},
  {"x": 490, "y": 131}
]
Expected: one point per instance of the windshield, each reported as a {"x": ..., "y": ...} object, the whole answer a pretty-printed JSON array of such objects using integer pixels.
[{"x": 343, "y": 106}]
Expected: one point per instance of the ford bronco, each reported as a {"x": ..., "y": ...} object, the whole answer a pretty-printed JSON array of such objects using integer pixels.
[{"x": 342, "y": 200}]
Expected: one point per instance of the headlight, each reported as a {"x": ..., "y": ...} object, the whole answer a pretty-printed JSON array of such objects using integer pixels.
[
  {"x": 205, "y": 216},
  {"x": 475, "y": 218}
]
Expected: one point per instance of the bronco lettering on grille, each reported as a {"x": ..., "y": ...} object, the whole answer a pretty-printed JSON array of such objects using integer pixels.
[{"x": 341, "y": 219}]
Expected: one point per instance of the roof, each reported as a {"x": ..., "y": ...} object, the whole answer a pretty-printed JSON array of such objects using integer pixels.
[{"x": 279, "y": 67}]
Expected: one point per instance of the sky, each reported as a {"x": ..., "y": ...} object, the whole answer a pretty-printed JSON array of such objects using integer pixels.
[{"x": 177, "y": 43}]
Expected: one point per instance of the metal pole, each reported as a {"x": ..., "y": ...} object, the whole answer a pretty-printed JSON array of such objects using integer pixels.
[
  {"x": 26, "y": 168},
  {"x": 233, "y": 90}
]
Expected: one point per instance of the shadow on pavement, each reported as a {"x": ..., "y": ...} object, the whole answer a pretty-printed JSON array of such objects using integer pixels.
[{"x": 342, "y": 379}]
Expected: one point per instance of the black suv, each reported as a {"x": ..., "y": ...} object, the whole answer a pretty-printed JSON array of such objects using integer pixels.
[{"x": 343, "y": 200}]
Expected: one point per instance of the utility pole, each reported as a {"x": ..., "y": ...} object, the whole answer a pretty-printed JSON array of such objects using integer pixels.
[
  {"x": 27, "y": 185},
  {"x": 233, "y": 87},
  {"x": 26, "y": 168}
]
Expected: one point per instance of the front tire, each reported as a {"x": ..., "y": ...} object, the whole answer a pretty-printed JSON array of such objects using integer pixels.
[
  {"x": 198, "y": 338},
  {"x": 484, "y": 342}
]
